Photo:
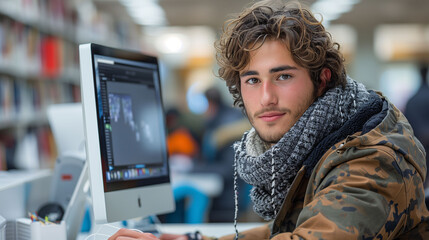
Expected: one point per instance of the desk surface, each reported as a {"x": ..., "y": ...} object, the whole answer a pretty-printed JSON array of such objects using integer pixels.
[
  {"x": 12, "y": 178},
  {"x": 208, "y": 229}
]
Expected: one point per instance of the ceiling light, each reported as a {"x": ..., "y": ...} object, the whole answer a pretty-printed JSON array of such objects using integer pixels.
[
  {"x": 332, "y": 9},
  {"x": 145, "y": 12},
  {"x": 171, "y": 43}
]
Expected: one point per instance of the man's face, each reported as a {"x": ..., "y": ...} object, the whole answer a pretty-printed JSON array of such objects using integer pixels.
[{"x": 275, "y": 90}]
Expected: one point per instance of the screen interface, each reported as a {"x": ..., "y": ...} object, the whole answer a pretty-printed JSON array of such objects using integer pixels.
[{"x": 130, "y": 120}]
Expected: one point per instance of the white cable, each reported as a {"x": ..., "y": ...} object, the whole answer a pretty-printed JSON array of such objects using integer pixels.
[
  {"x": 235, "y": 199},
  {"x": 273, "y": 182}
]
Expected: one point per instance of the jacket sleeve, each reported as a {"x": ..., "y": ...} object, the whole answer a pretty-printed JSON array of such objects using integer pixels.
[{"x": 361, "y": 198}]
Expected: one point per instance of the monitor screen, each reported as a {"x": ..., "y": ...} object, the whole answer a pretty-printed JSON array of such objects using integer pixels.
[
  {"x": 131, "y": 123},
  {"x": 125, "y": 133}
]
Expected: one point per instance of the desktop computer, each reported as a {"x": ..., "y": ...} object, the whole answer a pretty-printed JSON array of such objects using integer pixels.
[{"x": 125, "y": 134}]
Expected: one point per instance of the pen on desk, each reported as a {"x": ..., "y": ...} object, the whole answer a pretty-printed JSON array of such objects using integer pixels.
[
  {"x": 36, "y": 218},
  {"x": 31, "y": 216},
  {"x": 41, "y": 220}
]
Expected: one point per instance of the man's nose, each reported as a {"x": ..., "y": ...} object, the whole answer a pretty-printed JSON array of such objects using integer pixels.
[{"x": 268, "y": 94}]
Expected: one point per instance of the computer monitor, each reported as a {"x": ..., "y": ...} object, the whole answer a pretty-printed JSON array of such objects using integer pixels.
[{"x": 125, "y": 134}]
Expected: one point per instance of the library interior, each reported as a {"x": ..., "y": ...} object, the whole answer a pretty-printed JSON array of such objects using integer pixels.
[{"x": 48, "y": 48}]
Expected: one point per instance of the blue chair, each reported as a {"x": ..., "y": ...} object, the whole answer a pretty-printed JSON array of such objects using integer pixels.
[{"x": 197, "y": 204}]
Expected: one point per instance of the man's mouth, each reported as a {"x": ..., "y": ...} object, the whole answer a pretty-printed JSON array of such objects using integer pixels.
[{"x": 271, "y": 116}]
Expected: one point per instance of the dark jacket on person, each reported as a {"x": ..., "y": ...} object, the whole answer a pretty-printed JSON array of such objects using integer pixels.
[{"x": 364, "y": 181}]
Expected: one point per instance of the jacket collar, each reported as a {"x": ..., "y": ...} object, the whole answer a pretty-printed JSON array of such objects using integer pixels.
[{"x": 366, "y": 118}]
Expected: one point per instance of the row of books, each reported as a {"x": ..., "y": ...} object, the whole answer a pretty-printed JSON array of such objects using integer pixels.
[
  {"x": 75, "y": 20},
  {"x": 29, "y": 53},
  {"x": 24, "y": 100},
  {"x": 34, "y": 150},
  {"x": 37, "y": 49},
  {"x": 53, "y": 14}
]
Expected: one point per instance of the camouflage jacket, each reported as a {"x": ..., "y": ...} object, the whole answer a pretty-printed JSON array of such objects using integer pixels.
[{"x": 368, "y": 185}]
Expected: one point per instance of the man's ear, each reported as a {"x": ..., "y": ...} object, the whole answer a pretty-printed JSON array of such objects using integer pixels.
[{"x": 325, "y": 77}]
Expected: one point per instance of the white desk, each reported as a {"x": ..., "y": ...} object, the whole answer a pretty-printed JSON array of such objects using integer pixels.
[
  {"x": 14, "y": 178},
  {"x": 208, "y": 229}
]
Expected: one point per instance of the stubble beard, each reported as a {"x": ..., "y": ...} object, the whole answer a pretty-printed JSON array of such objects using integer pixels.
[{"x": 270, "y": 138}]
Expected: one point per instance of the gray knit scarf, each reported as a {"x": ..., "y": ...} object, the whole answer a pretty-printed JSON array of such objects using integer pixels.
[{"x": 271, "y": 170}]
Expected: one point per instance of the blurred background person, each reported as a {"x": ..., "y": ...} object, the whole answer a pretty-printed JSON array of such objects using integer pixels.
[
  {"x": 417, "y": 113},
  {"x": 223, "y": 126},
  {"x": 183, "y": 148}
]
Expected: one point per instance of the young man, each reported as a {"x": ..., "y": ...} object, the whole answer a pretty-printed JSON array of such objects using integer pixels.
[{"x": 327, "y": 158}]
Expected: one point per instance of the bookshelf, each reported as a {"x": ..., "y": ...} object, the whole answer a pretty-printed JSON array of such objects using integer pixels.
[{"x": 39, "y": 66}]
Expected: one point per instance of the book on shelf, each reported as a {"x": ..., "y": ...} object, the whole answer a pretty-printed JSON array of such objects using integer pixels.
[
  {"x": 6, "y": 98},
  {"x": 3, "y": 165},
  {"x": 51, "y": 57},
  {"x": 7, "y": 146}
]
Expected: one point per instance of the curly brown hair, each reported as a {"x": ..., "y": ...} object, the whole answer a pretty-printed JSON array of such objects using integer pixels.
[{"x": 310, "y": 44}]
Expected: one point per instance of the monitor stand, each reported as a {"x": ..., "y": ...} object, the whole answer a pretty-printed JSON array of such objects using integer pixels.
[{"x": 75, "y": 210}]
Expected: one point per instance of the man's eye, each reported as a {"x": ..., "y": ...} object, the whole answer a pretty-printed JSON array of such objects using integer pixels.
[
  {"x": 284, "y": 77},
  {"x": 252, "y": 80}
]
